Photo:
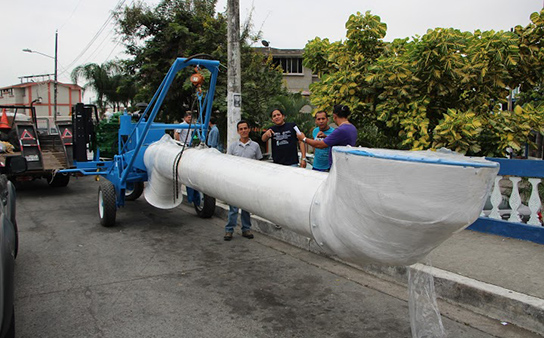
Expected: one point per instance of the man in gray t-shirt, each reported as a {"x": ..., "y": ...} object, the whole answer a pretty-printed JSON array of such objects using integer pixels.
[{"x": 247, "y": 148}]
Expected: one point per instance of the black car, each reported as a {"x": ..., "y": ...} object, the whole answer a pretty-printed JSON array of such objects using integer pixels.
[{"x": 9, "y": 241}]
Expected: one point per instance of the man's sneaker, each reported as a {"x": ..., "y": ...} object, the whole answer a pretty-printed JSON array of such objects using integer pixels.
[
  {"x": 247, "y": 234},
  {"x": 228, "y": 236}
]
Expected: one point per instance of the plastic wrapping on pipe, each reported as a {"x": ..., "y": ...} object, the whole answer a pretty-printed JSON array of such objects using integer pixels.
[
  {"x": 397, "y": 206},
  {"x": 375, "y": 205},
  {"x": 280, "y": 194},
  {"x": 163, "y": 190}
]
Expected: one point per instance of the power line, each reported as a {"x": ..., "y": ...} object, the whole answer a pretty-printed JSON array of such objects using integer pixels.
[
  {"x": 98, "y": 33},
  {"x": 97, "y": 49},
  {"x": 91, "y": 42},
  {"x": 70, "y": 16},
  {"x": 113, "y": 49}
]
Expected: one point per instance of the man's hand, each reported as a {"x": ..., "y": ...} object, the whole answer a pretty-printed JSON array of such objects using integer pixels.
[
  {"x": 267, "y": 135},
  {"x": 303, "y": 163}
]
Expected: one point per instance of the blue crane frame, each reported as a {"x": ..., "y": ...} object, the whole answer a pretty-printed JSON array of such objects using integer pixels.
[{"x": 127, "y": 168}]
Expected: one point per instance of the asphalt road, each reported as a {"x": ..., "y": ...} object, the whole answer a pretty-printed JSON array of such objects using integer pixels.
[{"x": 168, "y": 273}]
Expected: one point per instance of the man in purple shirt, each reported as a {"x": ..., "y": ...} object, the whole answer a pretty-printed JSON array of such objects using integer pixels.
[{"x": 345, "y": 134}]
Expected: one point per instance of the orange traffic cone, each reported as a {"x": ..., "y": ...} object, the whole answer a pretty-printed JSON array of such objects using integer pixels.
[{"x": 4, "y": 124}]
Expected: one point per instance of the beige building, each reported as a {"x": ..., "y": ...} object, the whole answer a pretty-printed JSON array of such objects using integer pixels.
[
  {"x": 297, "y": 77},
  {"x": 41, "y": 95}
]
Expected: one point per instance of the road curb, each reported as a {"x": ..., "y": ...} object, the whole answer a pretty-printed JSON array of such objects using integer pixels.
[{"x": 483, "y": 298}]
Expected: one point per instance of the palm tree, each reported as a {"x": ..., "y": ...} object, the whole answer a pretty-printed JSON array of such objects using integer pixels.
[{"x": 100, "y": 79}]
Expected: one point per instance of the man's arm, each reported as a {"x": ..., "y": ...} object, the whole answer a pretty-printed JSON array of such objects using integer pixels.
[
  {"x": 258, "y": 153},
  {"x": 267, "y": 135},
  {"x": 316, "y": 144},
  {"x": 302, "y": 154}
]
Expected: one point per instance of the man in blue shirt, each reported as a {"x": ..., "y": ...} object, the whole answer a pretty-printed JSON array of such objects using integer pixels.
[
  {"x": 345, "y": 134},
  {"x": 213, "y": 136},
  {"x": 321, "y": 156}
]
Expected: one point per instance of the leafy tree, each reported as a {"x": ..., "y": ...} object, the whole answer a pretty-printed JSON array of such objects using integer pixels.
[
  {"x": 262, "y": 83},
  {"x": 530, "y": 71},
  {"x": 155, "y": 37},
  {"x": 441, "y": 89}
]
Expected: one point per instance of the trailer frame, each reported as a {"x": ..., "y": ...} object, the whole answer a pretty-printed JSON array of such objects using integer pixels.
[{"x": 126, "y": 172}]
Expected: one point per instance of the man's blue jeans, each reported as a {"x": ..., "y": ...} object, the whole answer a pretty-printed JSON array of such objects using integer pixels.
[{"x": 233, "y": 219}]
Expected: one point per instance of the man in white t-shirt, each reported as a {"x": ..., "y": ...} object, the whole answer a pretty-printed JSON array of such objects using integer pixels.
[{"x": 184, "y": 135}]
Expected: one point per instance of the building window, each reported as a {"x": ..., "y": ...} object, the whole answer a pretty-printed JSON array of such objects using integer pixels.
[
  {"x": 8, "y": 91},
  {"x": 289, "y": 65}
]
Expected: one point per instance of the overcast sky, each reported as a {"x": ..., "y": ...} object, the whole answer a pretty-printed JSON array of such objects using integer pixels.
[{"x": 86, "y": 32}]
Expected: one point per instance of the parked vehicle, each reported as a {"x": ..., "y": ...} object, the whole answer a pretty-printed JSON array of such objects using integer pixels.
[
  {"x": 46, "y": 150},
  {"x": 9, "y": 242}
]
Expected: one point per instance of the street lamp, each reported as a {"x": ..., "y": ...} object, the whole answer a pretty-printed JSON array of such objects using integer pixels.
[
  {"x": 56, "y": 82},
  {"x": 266, "y": 43}
]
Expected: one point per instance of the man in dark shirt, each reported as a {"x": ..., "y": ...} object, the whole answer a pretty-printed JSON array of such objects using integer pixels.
[{"x": 284, "y": 141}]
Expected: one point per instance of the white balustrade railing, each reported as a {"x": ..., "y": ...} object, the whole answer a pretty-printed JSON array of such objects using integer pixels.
[{"x": 512, "y": 208}]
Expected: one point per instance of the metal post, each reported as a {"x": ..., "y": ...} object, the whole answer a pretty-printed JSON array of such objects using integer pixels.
[
  {"x": 510, "y": 103},
  {"x": 234, "y": 78},
  {"x": 56, "y": 82}
]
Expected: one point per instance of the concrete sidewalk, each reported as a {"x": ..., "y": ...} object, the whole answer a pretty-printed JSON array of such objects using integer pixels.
[{"x": 500, "y": 278}]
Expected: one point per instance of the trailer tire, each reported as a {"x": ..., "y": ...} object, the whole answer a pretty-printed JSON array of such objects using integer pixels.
[
  {"x": 60, "y": 180},
  {"x": 135, "y": 192},
  {"x": 107, "y": 204},
  {"x": 206, "y": 207}
]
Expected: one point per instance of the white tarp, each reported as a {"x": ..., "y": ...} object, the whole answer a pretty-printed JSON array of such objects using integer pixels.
[{"x": 375, "y": 205}]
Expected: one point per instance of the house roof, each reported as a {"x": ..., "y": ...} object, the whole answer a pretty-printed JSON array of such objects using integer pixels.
[
  {"x": 280, "y": 52},
  {"x": 30, "y": 84}
]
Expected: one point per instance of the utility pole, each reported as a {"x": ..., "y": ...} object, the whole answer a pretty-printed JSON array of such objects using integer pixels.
[
  {"x": 56, "y": 82},
  {"x": 234, "y": 78}
]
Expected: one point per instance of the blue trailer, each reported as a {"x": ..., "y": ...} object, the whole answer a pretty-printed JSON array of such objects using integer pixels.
[{"x": 126, "y": 173}]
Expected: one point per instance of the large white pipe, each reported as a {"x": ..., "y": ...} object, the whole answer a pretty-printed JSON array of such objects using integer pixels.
[{"x": 375, "y": 205}]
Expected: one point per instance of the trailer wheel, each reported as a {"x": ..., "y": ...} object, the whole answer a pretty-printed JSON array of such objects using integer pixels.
[
  {"x": 204, "y": 205},
  {"x": 133, "y": 191},
  {"x": 107, "y": 204},
  {"x": 60, "y": 180}
]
